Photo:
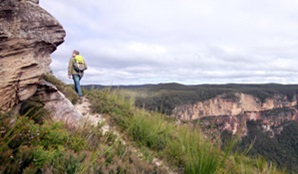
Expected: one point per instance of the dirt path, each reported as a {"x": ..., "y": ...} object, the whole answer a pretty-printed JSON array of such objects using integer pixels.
[{"x": 94, "y": 119}]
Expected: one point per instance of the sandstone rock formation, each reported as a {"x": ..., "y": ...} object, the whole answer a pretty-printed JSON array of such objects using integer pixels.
[
  {"x": 236, "y": 104},
  {"x": 271, "y": 121},
  {"x": 232, "y": 112},
  {"x": 57, "y": 104},
  {"x": 28, "y": 35}
]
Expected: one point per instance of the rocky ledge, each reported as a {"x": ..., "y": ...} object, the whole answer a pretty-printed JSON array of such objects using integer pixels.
[{"x": 28, "y": 35}]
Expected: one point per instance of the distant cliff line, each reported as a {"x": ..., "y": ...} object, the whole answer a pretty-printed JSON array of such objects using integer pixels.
[
  {"x": 232, "y": 105},
  {"x": 173, "y": 98}
]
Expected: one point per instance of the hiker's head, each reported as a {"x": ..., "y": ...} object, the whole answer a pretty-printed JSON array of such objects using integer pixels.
[{"x": 75, "y": 53}]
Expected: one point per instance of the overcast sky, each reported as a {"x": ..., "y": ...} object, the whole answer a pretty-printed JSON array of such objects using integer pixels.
[{"x": 186, "y": 41}]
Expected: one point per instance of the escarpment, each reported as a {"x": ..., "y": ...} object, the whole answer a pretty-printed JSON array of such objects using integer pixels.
[
  {"x": 28, "y": 35},
  {"x": 232, "y": 105},
  {"x": 232, "y": 112}
]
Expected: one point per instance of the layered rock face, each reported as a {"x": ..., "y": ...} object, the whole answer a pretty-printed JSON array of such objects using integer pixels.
[
  {"x": 271, "y": 121},
  {"x": 232, "y": 112},
  {"x": 232, "y": 105},
  {"x": 28, "y": 35}
]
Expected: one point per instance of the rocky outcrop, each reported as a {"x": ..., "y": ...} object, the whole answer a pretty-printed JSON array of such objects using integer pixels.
[
  {"x": 231, "y": 105},
  {"x": 28, "y": 35},
  {"x": 57, "y": 104}
]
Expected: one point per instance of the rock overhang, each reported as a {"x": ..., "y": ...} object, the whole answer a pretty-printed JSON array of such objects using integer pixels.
[{"x": 28, "y": 35}]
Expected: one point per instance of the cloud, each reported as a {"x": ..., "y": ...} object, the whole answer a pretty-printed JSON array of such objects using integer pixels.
[{"x": 190, "y": 41}]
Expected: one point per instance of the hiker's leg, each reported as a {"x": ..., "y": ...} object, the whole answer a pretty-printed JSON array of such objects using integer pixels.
[
  {"x": 75, "y": 82},
  {"x": 76, "y": 79},
  {"x": 75, "y": 87}
]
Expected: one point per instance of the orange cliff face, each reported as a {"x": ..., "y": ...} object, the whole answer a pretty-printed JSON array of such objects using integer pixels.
[
  {"x": 232, "y": 112},
  {"x": 271, "y": 121},
  {"x": 232, "y": 105}
]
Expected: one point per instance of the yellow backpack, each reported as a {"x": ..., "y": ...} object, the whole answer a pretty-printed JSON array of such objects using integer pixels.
[{"x": 79, "y": 64}]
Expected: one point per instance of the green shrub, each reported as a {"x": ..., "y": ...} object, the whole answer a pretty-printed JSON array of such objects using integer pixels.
[
  {"x": 151, "y": 131},
  {"x": 34, "y": 110}
]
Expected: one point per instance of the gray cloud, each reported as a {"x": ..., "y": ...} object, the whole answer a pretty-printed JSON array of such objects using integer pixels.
[{"x": 191, "y": 42}]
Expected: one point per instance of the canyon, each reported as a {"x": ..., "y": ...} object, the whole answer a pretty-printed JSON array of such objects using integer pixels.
[{"x": 231, "y": 112}]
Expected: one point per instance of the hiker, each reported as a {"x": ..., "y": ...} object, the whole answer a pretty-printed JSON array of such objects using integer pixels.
[{"x": 76, "y": 68}]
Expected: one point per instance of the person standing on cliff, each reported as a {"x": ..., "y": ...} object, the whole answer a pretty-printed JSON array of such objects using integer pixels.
[{"x": 74, "y": 73}]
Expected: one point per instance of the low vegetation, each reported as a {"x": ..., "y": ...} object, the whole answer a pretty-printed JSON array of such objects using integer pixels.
[
  {"x": 182, "y": 147},
  {"x": 52, "y": 147},
  {"x": 31, "y": 142},
  {"x": 282, "y": 148}
]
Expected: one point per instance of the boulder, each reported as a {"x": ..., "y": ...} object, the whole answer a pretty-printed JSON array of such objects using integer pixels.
[{"x": 57, "y": 104}]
